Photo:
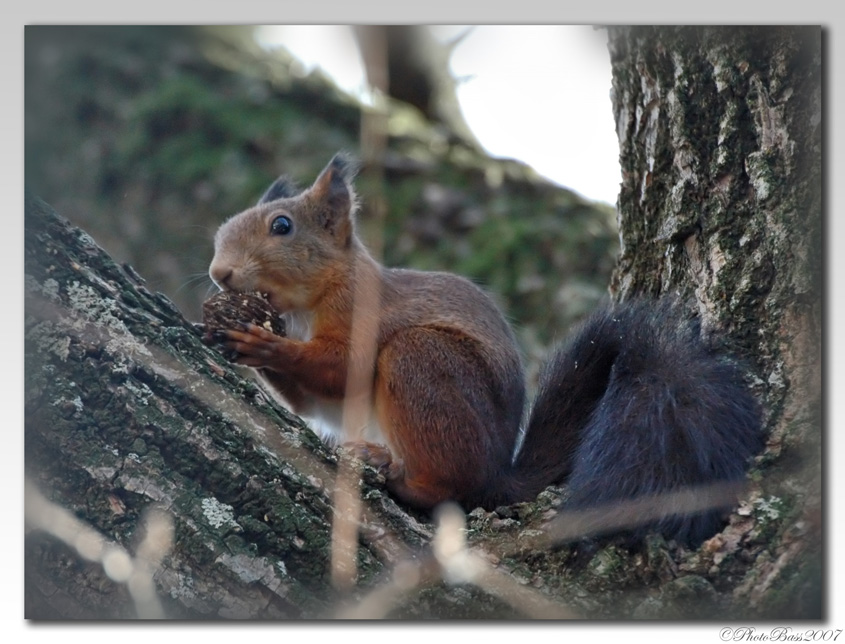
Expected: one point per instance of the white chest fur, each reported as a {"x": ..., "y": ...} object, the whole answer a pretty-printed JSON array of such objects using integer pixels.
[{"x": 324, "y": 416}]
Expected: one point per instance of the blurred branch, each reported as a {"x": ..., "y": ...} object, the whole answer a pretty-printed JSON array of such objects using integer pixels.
[{"x": 136, "y": 572}]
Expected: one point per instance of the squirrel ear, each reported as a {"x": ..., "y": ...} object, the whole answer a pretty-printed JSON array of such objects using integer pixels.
[
  {"x": 282, "y": 188},
  {"x": 333, "y": 191}
]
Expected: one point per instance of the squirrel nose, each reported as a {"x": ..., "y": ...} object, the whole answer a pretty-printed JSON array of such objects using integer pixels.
[{"x": 220, "y": 275}]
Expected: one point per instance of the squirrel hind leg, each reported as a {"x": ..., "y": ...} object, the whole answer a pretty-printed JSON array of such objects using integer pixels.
[
  {"x": 443, "y": 417},
  {"x": 419, "y": 493}
]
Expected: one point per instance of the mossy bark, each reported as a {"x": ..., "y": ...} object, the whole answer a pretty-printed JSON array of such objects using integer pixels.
[
  {"x": 126, "y": 409},
  {"x": 720, "y": 144}
]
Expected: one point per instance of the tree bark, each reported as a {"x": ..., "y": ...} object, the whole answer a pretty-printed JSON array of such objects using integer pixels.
[
  {"x": 126, "y": 409},
  {"x": 720, "y": 143}
]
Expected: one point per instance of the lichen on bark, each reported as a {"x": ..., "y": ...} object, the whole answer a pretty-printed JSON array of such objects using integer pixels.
[
  {"x": 125, "y": 408},
  {"x": 720, "y": 140}
]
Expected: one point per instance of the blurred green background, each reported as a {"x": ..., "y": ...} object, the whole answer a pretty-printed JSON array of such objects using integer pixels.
[{"x": 149, "y": 137}]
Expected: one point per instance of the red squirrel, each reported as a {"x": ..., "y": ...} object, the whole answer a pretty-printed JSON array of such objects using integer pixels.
[{"x": 634, "y": 404}]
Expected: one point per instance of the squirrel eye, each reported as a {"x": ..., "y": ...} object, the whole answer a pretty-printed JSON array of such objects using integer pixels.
[{"x": 281, "y": 225}]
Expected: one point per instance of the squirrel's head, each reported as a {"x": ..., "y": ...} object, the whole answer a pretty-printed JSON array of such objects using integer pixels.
[{"x": 293, "y": 244}]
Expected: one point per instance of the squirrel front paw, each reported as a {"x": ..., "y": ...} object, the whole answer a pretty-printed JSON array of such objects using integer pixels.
[{"x": 253, "y": 346}]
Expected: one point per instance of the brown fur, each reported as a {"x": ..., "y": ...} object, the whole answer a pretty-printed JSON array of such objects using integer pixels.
[{"x": 447, "y": 387}]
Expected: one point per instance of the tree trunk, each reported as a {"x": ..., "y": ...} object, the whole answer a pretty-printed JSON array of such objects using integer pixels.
[{"x": 720, "y": 144}]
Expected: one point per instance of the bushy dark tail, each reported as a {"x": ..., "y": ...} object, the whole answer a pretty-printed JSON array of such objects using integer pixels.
[{"x": 636, "y": 405}]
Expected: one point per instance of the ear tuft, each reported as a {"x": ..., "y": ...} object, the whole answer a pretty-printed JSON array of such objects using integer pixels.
[
  {"x": 334, "y": 196},
  {"x": 282, "y": 188},
  {"x": 334, "y": 185},
  {"x": 345, "y": 165}
]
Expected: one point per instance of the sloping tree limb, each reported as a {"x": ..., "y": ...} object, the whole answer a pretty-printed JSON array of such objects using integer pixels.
[{"x": 125, "y": 408}]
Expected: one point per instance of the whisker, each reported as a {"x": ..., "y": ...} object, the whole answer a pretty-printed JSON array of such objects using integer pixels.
[{"x": 195, "y": 282}]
